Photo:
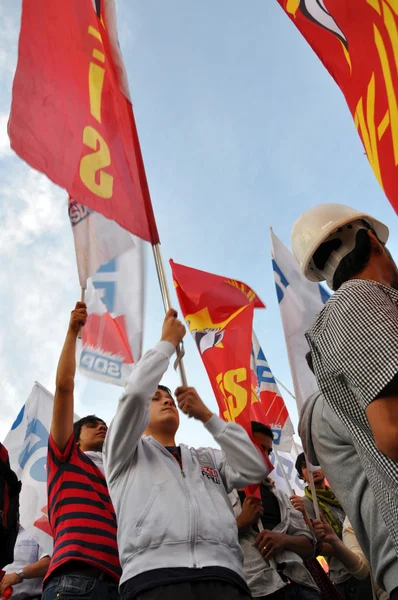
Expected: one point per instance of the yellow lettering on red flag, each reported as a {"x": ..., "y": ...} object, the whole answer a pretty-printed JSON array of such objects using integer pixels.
[{"x": 92, "y": 165}]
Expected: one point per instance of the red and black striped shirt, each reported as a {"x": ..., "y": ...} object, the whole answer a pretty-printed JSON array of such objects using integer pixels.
[{"x": 80, "y": 511}]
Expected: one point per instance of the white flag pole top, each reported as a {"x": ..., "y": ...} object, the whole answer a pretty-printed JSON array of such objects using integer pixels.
[{"x": 164, "y": 290}]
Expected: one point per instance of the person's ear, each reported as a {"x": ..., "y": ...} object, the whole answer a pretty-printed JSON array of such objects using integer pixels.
[{"x": 376, "y": 245}]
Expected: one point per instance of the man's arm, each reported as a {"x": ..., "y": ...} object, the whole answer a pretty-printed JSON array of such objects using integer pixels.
[
  {"x": 382, "y": 415},
  {"x": 62, "y": 421},
  {"x": 240, "y": 464},
  {"x": 37, "y": 569},
  {"x": 299, "y": 504},
  {"x": 360, "y": 346},
  {"x": 339, "y": 550},
  {"x": 270, "y": 543},
  {"x": 132, "y": 415}
]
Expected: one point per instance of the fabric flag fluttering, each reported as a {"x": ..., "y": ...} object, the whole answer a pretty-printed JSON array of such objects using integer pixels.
[
  {"x": 219, "y": 314},
  {"x": 111, "y": 340},
  {"x": 114, "y": 259},
  {"x": 342, "y": 33},
  {"x": 271, "y": 409},
  {"x": 27, "y": 443},
  {"x": 71, "y": 116},
  {"x": 300, "y": 301}
]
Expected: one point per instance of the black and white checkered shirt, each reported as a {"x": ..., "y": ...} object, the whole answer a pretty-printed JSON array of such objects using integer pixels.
[{"x": 354, "y": 345}]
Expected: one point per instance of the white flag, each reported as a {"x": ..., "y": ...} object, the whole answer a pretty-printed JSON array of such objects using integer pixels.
[
  {"x": 114, "y": 259},
  {"x": 97, "y": 239},
  {"x": 112, "y": 337},
  {"x": 300, "y": 301},
  {"x": 288, "y": 461},
  {"x": 27, "y": 443}
]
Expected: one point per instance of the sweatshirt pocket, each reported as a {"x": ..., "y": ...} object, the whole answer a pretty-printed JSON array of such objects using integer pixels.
[
  {"x": 147, "y": 507},
  {"x": 219, "y": 526},
  {"x": 164, "y": 518}
]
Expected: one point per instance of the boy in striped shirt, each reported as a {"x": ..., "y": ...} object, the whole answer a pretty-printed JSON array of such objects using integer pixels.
[{"x": 85, "y": 561}]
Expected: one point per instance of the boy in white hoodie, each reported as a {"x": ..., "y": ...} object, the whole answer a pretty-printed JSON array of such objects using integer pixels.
[{"x": 177, "y": 533}]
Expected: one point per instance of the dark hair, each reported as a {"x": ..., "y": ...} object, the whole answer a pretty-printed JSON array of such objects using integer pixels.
[
  {"x": 261, "y": 428},
  {"x": 89, "y": 420},
  {"x": 300, "y": 463},
  {"x": 165, "y": 389},
  {"x": 310, "y": 363},
  {"x": 355, "y": 262}
]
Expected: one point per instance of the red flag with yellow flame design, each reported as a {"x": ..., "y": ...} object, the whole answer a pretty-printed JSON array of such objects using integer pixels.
[
  {"x": 219, "y": 314},
  {"x": 357, "y": 41},
  {"x": 71, "y": 116}
]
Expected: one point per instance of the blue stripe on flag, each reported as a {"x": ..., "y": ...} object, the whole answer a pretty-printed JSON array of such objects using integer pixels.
[{"x": 324, "y": 293}]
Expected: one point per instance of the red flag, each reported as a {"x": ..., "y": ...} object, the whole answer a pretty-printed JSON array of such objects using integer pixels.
[
  {"x": 70, "y": 116},
  {"x": 219, "y": 313},
  {"x": 357, "y": 41}
]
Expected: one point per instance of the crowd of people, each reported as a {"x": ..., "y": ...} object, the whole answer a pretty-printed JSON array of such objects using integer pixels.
[{"x": 136, "y": 516}]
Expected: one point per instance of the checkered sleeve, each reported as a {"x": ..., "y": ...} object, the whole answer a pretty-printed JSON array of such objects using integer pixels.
[{"x": 360, "y": 342}]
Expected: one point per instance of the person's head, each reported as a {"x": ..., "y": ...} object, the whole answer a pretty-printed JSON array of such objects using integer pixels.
[
  {"x": 163, "y": 414},
  {"x": 302, "y": 471},
  {"x": 336, "y": 243},
  {"x": 263, "y": 436},
  {"x": 89, "y": 433}
]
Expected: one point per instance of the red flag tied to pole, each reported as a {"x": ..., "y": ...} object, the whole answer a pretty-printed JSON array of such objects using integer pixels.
[
  {"x": 357, "y": 41},
  {"x": 71, "y": 117},
  {"x": 219, "y": 313}
]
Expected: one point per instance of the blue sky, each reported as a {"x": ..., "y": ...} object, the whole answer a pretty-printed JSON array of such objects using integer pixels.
[{"x": 241, "y": 129}]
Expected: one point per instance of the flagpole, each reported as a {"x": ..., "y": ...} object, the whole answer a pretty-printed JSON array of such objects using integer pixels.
[
  {"x": 285, "y": 388},
  {"x": 164, "y": 290},
  {"x": 313, "y": 489},
  {"x": 82, "y": 299},
  {"x": 310, "y": 476}
]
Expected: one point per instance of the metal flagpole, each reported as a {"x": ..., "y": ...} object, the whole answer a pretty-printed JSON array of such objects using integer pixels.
[
  {"x": 285, "y": 388},
  {"x": 295, "y": 446},
  {"x": 166, "y": 303},
  {"x": 271, "y": 560},
  {"x": 310, "y": 476}
]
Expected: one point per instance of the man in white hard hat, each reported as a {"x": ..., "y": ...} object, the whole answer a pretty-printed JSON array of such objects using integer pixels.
[{"x": 354, "y": 339}]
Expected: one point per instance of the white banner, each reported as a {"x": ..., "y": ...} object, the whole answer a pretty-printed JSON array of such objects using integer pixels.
[
  {"x": 300, "y": 301},
  {"x": 115, "y": 261},
  {"x": 288, "y": 460},
  {"x": 112, "y": 337},
  {"x": 273, "y": 411},
  {"x": 27, "y": 443}
]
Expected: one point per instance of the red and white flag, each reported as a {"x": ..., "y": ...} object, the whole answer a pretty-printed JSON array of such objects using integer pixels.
[
  {"x": 111, "y": 265},
  {"x": 271, "y": 408}
]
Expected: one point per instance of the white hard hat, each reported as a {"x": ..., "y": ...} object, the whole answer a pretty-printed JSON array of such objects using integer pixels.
[{"x": 334, "y": 221}]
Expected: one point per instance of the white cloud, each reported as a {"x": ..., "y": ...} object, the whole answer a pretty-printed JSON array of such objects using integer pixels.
[{"x": 5, "y": 149}]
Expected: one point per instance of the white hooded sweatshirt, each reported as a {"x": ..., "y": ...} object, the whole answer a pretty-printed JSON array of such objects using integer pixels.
[{"x": 168, "y": 516}]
